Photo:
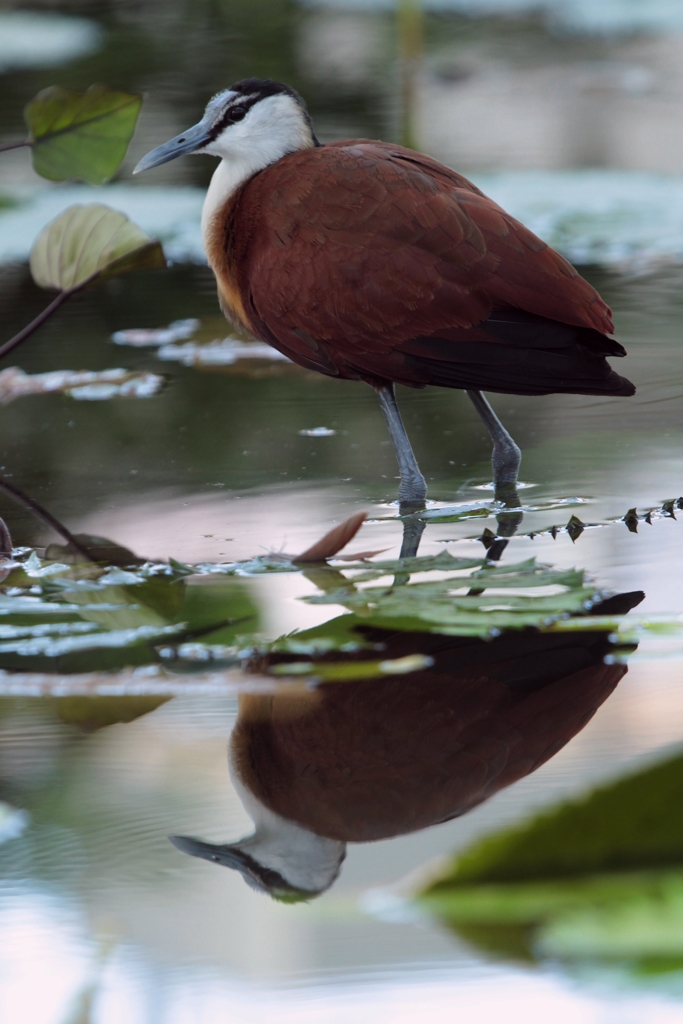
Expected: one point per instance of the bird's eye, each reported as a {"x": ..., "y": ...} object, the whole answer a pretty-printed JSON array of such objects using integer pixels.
[{"x": 237, "y": 113}]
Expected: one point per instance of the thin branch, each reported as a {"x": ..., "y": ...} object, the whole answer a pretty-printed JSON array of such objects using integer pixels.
[
  {"x": 14, "y": 145},
  {"x": 27, "y": 331},
  {"x": 45, "y": 517}
]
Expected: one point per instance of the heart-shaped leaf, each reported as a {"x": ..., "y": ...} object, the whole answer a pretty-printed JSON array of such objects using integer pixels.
[
  {"x": 87, "y": 243},
  {"x": 81, "y": 134}
]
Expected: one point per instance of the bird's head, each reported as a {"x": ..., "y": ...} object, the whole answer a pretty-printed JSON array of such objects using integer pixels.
[
  {"x": 292, "y": 866},
  {"x": 256, "y": 117}
]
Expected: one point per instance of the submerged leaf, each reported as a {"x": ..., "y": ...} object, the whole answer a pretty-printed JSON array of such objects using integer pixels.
[
  {"x": 81, "y": 134},
  {"x": 88, "y": 243}
]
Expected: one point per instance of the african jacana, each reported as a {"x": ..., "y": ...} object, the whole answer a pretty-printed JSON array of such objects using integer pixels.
[
  {"x": 366, "y": 760},
  {"x": 372, "y": 262}
]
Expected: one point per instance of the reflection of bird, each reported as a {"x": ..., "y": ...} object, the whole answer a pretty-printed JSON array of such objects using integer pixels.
[
  {"x": 366, "y": 760},
  {"x": 368, "y": 261}
]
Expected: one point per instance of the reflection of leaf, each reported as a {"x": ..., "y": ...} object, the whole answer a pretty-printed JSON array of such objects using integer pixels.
[
  {"x": 597, "y": 876},
  {"x": 646, "y": 923},
  {"x": 88, "y": 243},
  {"x": 632, "y": 823},
  {"x": 91, "y": 713},
  {"x": 85, "y": 385},
  {"x": 81, "y": 134}
]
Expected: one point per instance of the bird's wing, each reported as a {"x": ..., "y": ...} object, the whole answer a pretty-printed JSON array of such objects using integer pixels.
[{"x": 370, "y": 245}]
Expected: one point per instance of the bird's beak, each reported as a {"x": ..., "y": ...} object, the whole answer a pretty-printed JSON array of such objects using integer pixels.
[
  {"x": 224, "y": 855},
  {"x": 187, "y": 142}
]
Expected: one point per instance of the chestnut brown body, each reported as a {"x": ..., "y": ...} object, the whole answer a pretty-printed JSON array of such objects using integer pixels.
[
  {"x": 368, "y": 261},
  {"x": 362, "y": 761}
]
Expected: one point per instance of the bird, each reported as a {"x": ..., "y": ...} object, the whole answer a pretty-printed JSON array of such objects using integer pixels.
[
  {"x": 368, "y": 759},
  {"x": 368, "y": 261}
]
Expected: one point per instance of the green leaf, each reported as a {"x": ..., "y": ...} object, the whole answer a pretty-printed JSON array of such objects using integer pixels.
[
  {"x": 435, "y": 605},
  {"x": 599, "y": 877},
  {"x": 117, "y": 617},
  {"x": 81, "y": 134},
  {"x": 91, "y": 713},
  {"x": 632, "y": 824},
  {"x": 86, "y": 244},
  {"x": 346, "y": 671}
]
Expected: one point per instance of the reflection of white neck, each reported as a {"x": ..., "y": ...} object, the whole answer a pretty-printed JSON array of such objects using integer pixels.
[{"x": 305, "y": 860}]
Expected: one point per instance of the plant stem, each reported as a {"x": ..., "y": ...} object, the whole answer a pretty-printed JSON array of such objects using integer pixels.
[
  {"x": 410, "y": 32},
  {"x": 27, "y": 331},
  {"x": 14, "y": 145},
  {"x": 45, "y": 517}
]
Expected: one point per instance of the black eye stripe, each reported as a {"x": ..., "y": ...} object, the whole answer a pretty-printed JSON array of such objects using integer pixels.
[{"x": 232, "y": 115}]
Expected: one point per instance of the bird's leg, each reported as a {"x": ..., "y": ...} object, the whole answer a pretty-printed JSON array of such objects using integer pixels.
[
  {"x": 505, "y": 460},
  {"x": 506, "y": 457},
  {"x": 412, "y": 490},
  {"x": 413, "y": 528},
  {"x": 508, "y": 524}
]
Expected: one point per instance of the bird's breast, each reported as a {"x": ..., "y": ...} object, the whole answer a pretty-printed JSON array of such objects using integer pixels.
[{"x": 220, "y": 245}]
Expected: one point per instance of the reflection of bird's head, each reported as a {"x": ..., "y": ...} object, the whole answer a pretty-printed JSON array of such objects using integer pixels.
[
  {"x": 258, "y": 117},
  {"x": 301, "y": 877},
  {"x": 281, "y": 857}
]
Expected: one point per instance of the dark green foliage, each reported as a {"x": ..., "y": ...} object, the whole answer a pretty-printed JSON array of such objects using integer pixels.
[
  {"x": 81, "y": 135},
  {"x": 632, "y": 824}
]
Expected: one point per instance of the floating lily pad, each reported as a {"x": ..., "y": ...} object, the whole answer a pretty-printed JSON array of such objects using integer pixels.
[
  {"x": 91, "y": 617},
  {"x": 84, "y": 385},
  {"x": 144, "y": 337},
  {"x": 89, "y": 243},
  {"x": 220, "y": 353},
  {"x": 81, "y": 134},
  {"x": 442, "y": 606}
]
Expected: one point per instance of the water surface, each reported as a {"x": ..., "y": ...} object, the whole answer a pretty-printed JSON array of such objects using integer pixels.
[{"x": 99, "y": 914}]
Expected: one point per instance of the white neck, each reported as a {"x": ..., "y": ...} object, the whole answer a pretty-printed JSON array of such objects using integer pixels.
[
  {"x": 273, "y": 128},
  {"x": 305, "y": 860}
]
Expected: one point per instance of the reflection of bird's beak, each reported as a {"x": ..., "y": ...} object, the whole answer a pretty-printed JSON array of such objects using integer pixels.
[
  {"x": 224, "y": 855},
  {"x": 187, "y": 142}
]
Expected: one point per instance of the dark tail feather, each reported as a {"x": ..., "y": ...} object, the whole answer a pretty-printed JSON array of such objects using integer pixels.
[
  {"x": 526, "y": 378},
  {"x": 516, "y": 353}
]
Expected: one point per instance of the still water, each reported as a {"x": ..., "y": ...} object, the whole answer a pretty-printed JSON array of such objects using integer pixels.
[{"x": 128, "y": 685}]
